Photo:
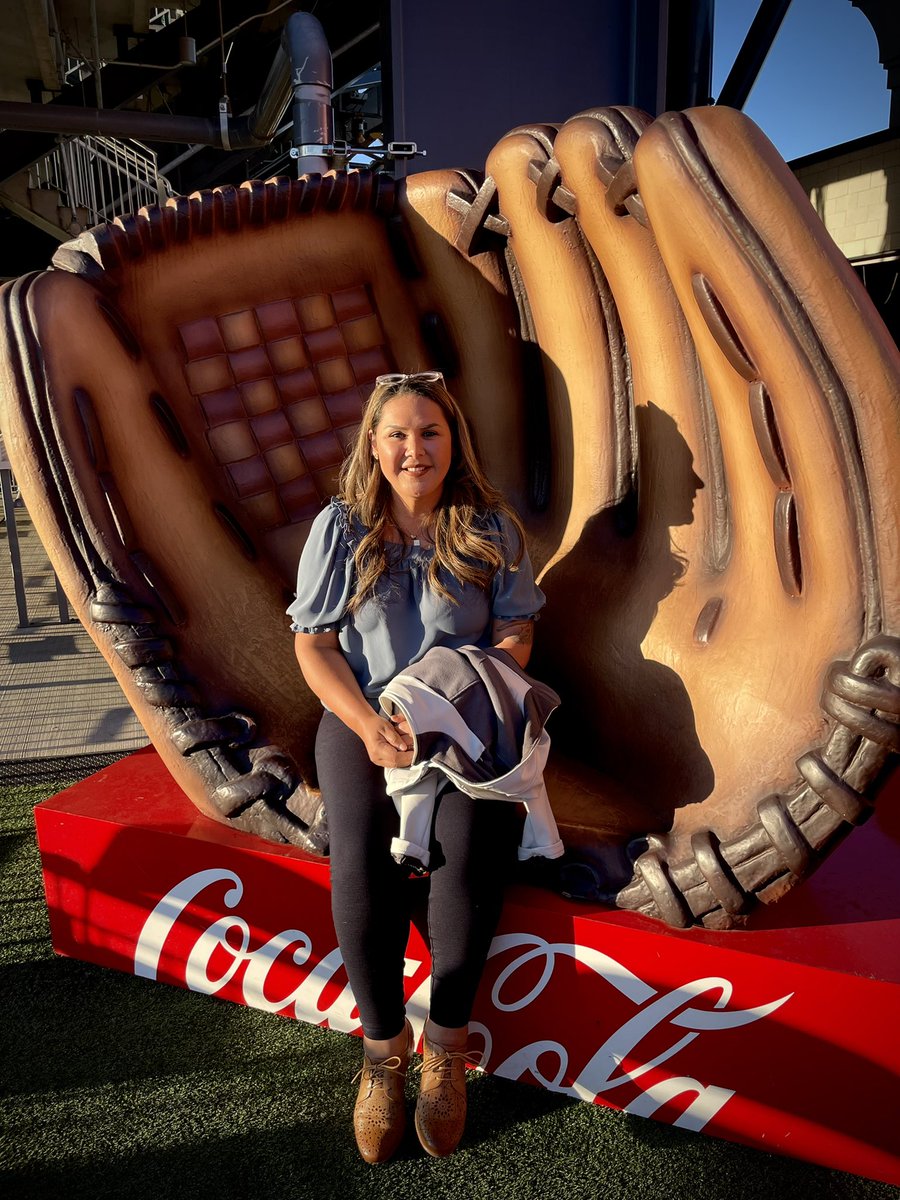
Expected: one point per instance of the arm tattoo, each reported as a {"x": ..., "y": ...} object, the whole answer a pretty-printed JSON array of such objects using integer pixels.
[{"x": 520, "y": 632}]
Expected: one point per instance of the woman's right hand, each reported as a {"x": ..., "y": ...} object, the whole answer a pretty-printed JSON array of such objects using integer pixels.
[
  {"x": 385, "y": 745},
  {"x": 328, "y": 674}
]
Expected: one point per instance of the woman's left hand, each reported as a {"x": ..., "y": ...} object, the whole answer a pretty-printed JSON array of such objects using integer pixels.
[
  {"x": 401, "y": 723},
  {"x": 385, "y": 745}
]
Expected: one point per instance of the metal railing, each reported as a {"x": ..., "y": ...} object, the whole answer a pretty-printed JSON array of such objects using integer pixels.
[
  {"x": 10, "y": 500},
  {"x": 161, "y": 16},
  {"x": 103, "y": 176},
  {"x": 77, "y": 68}
]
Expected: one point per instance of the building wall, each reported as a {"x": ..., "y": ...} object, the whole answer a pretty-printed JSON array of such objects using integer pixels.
[
  {"x": 857, "y": 195},
  {"x": 461, "y": 75}
]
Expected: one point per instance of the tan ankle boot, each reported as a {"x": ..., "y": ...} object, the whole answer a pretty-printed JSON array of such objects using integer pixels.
[
  {"x": 441, "y": 1107},
  {"x": 379, "y": 1116}
]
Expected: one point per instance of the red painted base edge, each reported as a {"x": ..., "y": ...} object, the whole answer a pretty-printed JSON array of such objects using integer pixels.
[{"x": 782, "y": 1037}]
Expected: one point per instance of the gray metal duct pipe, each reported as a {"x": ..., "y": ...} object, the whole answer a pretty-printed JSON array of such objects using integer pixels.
[
  {"x": 312, "y": 84},
  {"x": 308, "y": 80},
  {"x": 259, "y": 126},
  {"x": 110, "y": 122}
]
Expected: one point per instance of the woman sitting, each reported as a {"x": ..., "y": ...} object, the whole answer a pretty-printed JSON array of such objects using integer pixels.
[{"x": 418, "y": 550}]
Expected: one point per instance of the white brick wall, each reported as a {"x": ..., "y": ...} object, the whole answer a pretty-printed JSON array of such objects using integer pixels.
[{"x": 857, "y": 195}]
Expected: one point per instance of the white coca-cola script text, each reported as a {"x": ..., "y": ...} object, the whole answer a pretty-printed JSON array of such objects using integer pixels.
[{"x": 229, "y": 938}]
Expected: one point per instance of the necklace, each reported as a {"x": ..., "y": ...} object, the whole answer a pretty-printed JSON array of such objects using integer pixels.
[{"x": 413, "y": 534}]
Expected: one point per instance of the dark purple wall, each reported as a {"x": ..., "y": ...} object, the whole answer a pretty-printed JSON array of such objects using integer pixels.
[{"x": 465, "y": 71}]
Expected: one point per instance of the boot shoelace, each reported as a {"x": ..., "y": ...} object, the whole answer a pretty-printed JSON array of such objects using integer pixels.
[
  {"x": 442, "y": 1064},
  {"x": 374, "y": 1071}
]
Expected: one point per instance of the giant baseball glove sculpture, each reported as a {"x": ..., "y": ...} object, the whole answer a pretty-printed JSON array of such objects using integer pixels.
[{"x": 671, "y": 370}]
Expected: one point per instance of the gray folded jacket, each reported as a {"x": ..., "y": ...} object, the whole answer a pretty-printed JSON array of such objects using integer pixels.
[{"x": 477, "y": 721}]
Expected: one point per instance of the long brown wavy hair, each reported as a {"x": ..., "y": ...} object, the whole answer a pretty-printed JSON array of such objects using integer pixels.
[{"x": 463, "y": 546}]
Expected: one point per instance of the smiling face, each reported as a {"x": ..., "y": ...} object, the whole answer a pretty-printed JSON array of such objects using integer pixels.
[{"x": 414, "y": 448}]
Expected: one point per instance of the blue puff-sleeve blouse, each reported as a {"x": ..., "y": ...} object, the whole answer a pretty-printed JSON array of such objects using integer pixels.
[{"x": 404, "y": 618}]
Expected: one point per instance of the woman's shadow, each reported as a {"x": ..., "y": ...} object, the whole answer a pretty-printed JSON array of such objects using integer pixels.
[{"x": 625, "y": 749}]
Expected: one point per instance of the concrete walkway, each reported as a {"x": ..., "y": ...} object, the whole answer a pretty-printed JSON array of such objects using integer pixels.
[{"x": 58, "y": 696}]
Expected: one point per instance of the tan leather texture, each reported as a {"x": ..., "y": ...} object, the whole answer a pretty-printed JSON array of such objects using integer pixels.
[{"x": 672, "y": 372}]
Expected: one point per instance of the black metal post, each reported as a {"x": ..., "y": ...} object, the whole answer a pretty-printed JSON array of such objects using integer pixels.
[{"x": 752, "y": 54}]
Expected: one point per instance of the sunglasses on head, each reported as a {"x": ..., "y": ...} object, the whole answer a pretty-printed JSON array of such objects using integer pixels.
[{"x": 395, "y": 377}]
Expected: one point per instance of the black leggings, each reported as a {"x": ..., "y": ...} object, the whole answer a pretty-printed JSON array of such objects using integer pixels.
[{"x": 473, "y": 849}]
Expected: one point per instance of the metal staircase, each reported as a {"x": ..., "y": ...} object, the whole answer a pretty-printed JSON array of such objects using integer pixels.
[{"x": 84, "y": 181}]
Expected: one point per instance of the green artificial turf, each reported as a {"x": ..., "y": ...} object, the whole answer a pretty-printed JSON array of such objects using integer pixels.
[{"x": 120, "y": 1087}]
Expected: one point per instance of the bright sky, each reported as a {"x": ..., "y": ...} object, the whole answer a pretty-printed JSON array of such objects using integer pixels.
[{"x": 821, "y": 84}]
